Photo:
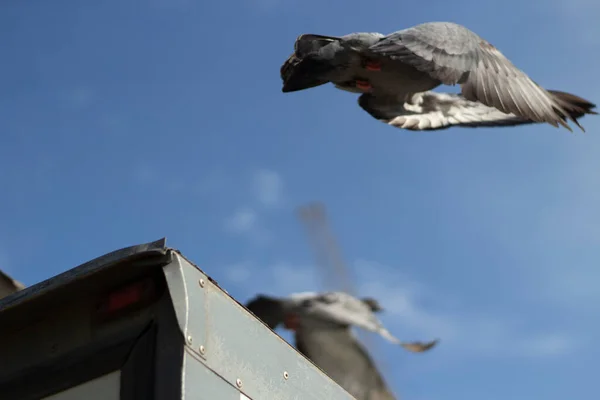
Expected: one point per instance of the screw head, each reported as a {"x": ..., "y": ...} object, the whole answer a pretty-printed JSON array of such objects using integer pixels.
[
  {"x": 201, "y": 282},
  {"x": 189, "y": 339},
  {"x": 285, "y": 375},
  {"x": 202, "y": 350},
  {"x": 238, "y": 382}
]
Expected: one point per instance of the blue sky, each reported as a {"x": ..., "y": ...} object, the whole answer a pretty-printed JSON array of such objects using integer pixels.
[{"x": 122, "y": 123}]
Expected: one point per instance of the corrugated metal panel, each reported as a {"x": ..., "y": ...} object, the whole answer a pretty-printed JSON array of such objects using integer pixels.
[{"x": 222, "y": 335}]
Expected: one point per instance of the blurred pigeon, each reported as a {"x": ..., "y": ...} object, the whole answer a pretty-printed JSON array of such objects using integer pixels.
[
  {"x": 397, "y": 72},
  {"x": 344, "y": 309},
  {"x": 9, "y": 285},
  {"x": 321, "y": 323}
]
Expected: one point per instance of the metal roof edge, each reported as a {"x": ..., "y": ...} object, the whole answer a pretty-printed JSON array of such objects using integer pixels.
[{"x": 82, "y": 271}]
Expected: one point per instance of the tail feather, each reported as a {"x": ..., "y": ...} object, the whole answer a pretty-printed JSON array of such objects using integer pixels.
[{"x": 575, "y": 106}]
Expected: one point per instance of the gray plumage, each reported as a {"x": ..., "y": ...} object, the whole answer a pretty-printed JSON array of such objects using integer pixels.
[
  {"x": 434, "y": 111},
  {"x": 319, "y": 59},
  {"x": 344, "y": 359},
  {"x": 414, "y": 61},
  {"x": 323, "y": 335}
]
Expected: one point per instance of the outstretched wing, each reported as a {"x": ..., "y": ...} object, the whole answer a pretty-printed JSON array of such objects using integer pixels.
[
  {"x": 347, "y": 310},
  {"x": 419, "y": 347},
  {"x": 340, "y": 308},
  {"x": 435, "y": 111},
  {"x": 453, "y": 54}
]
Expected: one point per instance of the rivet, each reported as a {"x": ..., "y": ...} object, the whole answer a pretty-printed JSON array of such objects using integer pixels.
[
  {"x": 238, "y": 382},
  {"x": 202, "y": 350},
  {"x": 285, "y": 375},
  {"x": 201, "y": 282},
  {"x": 189, "y": 339}
]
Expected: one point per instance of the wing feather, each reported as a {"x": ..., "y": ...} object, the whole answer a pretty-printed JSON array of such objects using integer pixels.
[
  {"x": 453, "y": 54},
  {"x": 434, "y": 111},
  {"x": 496, "y": 82}
]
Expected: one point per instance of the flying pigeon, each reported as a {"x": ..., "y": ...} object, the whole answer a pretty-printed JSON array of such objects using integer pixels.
[
  {"x": 396, "y": 73},
  {"x": 307, "y": 309},
  {"x": 329, "y": 344}
]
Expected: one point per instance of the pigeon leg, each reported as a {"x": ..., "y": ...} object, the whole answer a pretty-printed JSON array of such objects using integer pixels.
[
  {"x": 372, "y": 65},
  {"x": 363, "y": 85}
]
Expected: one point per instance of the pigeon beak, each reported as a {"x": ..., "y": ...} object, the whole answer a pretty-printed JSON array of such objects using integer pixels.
[
  {"x": 295, "y": 84},
  {"x": 287, "y": 89}
]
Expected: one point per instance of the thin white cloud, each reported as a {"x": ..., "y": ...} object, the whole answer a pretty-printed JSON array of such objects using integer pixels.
[
  {"x": 289, "y": 278},
  {"x": 555, "y": 344},
  {"x": 462, "y": 333},
  {"x": 280, "y": 278},
  {"x": 268, "y": 187},
  {"x": 245, "y": 222},
  {"x": 241, "y": 221}
]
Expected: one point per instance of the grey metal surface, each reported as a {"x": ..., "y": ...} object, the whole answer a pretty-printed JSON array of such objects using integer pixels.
[
  {"x": 228, "y": 354},
  {"x": 80, "y": 272},
  {"x": 200, "y": 383},
  {"x": 189, "y": 301},
  {"x": 237, "y": 346}
]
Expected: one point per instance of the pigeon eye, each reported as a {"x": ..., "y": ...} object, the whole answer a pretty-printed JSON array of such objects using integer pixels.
[
  {"x": 306, "y": 304},
  {"x": 329, "y": 298}
]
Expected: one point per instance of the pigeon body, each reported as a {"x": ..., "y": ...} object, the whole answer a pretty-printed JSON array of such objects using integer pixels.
[
  {"x": 341, "y": 60},
  {"x": 322, "y": 325},
  {"x": 337, "y": 352},
  {"x": 398, "y": 70}
]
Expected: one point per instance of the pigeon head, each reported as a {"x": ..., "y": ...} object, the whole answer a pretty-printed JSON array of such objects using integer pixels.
[
  {"x": 373, "y": 304},
  {"x": 299, "y": 74},
  {"x": 314, "y": 62}
]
